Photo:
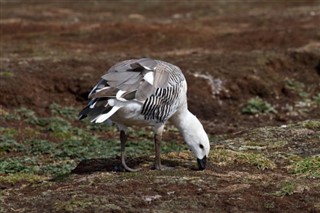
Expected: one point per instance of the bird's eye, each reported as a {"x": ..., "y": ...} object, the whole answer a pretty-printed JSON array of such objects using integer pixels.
[{"x": 201, "y": 146}]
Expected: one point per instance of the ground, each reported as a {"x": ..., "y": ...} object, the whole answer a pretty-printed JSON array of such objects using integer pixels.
[{"x": 253, "y": 72}]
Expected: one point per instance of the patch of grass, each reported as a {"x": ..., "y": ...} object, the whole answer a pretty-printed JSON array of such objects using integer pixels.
[
  {"x": 312, "y": 124},
  {"x": 316, "y": 98},
  {"x": 257, "y": 106},
  {"x": 228, "y": 157},
  {"x": 28, "y": 132},
  {"x": 259, "y": 160},
  {"x": 296, "y": 86},
  {"x": 17, "y": 164},
  {"x": 80, "y": 203},
  {"x": 10, "y": 117},
  {"x": 21, "y": 177},
  {"x": 26, "y": 114},
  {"x": 309, "y": 166},
  {"x": 41, "y": 147},
  {"x": 269, "y": 205},
  {"x": 58, "y": 125},
  {"x": 101, "y": 127},
  {"x": 67, "y": 112},
  {"x": 8, "y": 144},
  {"x": 58, "y": 168},
  {"x": 286, "y": 188},
  {"x": 7, "y": 74},
  {"x": 9, "y": 132}
]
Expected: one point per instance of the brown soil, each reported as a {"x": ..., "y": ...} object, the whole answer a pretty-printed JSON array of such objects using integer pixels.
[{"x": 230, "y": 52}]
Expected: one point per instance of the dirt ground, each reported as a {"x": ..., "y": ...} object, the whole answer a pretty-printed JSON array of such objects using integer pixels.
[{"x": 54, "y": 52}]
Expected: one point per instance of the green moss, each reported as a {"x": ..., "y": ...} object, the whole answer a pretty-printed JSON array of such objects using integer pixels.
[
  {"x": 256, "y": 106},
  {"x": 30, "y": 132},
  {"x": 8, "y": 144},
  {"x": 286, "y": 188},
  {"x": 316, "y": 98},
  {"x": 41, "y": 147},
  {"x": 312, "y": 124},
  {"x": 83, "y": 203},
  {"x": 18, "y": 164},
  {"x": 259, "y": 160},
  {"x": 309, "y": 166},
  {"x": 67, "y": 112},
  {"x": 8, "y": 132},
  {"x": 21, "y": 177},
  {"x": 7, "y": 74},
  {"x": 296, "y": 86},
  {"x": 227, "y": 157}
]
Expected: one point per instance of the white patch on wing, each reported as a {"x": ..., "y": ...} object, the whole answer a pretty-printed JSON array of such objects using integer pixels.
[
  {"x": 111, "y": 102},
  {"x": 104, "y": 88},
  {"x": 149, "y": 77},
  {"x": 119, "y": 94},
  {"x": 104, "y": 117}
]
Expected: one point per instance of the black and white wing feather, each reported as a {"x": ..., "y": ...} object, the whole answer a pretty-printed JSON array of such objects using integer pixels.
[{"x": 153, "y": 83}]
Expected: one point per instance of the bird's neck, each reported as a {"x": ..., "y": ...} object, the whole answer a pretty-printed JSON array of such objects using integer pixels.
[{"x": 187, "y": 123}]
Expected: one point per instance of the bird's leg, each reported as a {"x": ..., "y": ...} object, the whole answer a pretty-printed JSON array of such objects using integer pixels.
[
  {"x": 157, "y": 143},
  {"x": 123, "y": 139}
]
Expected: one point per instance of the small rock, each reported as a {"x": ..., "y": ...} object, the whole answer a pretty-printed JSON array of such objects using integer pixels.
[
  {"x": 136, "y": 16},
  {"x": 151, "y": 198}
]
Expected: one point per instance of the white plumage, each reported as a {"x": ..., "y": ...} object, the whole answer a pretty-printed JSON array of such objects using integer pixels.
[{"x": 147, "y": 92}]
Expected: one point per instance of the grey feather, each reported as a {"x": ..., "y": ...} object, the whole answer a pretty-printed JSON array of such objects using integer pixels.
[
  {"x": 121, "y": 66},
  {"x": 130, "y": 95},
  {"x": 119, "y": 76},
  {"x": 102, "y": 83},
  {"x": 107, "y": 92},
  {"x": 161, "y": 78},
  {"x": 145, "y": 90},
  {"x": 129, "y": 87},
  {"x": 145, "y": 63}
]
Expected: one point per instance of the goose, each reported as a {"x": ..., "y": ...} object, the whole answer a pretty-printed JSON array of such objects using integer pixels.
[{"x": 147, "y": 92}]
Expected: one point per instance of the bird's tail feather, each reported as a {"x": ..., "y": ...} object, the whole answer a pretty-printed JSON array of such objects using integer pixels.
[{"x": 103, "y": 117}]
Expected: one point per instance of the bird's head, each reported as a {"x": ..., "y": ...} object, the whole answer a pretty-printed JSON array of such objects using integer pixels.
[
  {"x": 199, "y": 144},
  {"x": 195, "y": 136}
]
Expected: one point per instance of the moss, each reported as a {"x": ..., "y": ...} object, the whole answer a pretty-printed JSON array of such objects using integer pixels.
[
  {"x": 83, "y": 203},
  {"x": 312, "y": 124},
  {"x": 30, "y": 132},
  {"x": 286, "y": 188},
  {"x": 256, "y": 106},
  {"x": 309, "y": 166},
  {"x": 227, "y": 157},
  {"x": 8, "y": 132},
  {"x": 7, "y": 74},
  {"x": 21, "y": 177}
]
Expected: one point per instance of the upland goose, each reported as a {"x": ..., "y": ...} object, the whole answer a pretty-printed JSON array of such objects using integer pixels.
[{"x": 147, "y": 92}]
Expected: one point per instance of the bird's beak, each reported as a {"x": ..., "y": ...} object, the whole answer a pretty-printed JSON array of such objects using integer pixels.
[{"x": 202, "y": 163}]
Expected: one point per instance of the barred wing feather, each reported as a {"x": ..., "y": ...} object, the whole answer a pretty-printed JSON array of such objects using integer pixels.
[{"x": 153, "y": 83}]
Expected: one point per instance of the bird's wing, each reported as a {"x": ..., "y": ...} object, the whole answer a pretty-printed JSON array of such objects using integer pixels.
[
  {"x": 128, "y": 80},
  {"x": 168, "y": 95}
]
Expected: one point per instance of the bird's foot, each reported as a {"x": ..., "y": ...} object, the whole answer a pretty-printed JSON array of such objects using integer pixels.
[{"x": 127, "y": 168}]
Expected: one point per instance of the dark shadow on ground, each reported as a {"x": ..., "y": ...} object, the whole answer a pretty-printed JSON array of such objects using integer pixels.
[{"x": 89, "y": 166}]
